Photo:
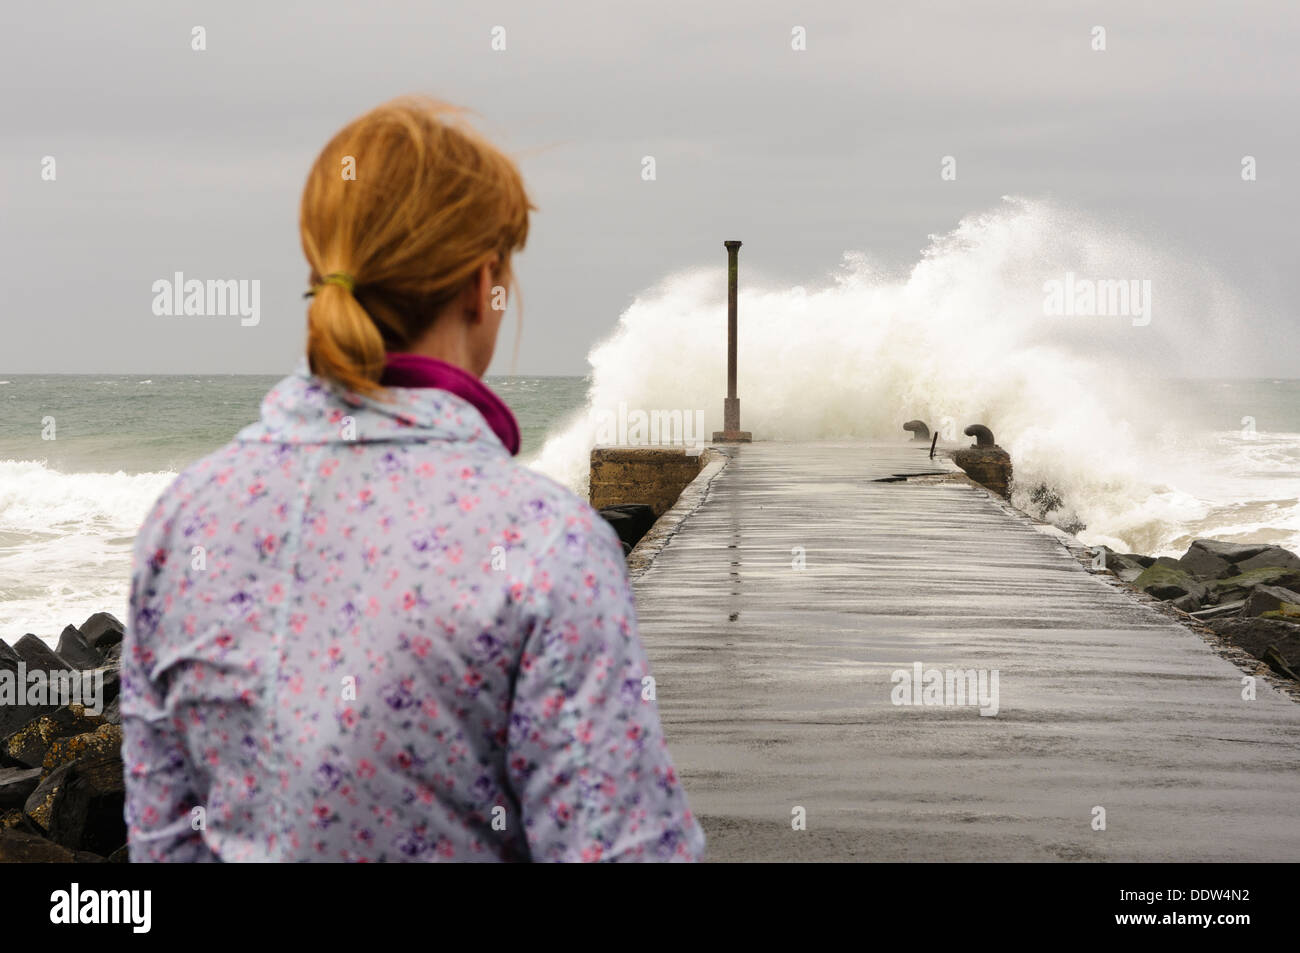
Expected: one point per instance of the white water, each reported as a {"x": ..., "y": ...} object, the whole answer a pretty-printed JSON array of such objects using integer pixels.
[
  {"x": 963, "y": 338},
  {"x": 65, "y": 543}
]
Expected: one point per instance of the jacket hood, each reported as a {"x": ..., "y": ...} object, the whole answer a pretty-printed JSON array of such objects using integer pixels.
[{"x": 305, "y": 409}]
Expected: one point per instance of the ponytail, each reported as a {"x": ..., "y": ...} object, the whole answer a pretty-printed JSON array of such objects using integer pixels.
[
  {"x": 343, "y": 344},
  {"x": 427, "y": 203}
]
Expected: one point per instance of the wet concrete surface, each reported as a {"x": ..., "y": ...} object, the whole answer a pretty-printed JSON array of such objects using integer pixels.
[{"x": 774, "y": 683}]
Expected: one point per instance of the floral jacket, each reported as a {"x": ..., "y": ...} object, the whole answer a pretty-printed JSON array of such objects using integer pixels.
[{"x": 363, "y": 632}]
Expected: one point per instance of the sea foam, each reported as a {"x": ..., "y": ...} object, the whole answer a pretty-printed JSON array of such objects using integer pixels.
[{"x": 963, "y": 337}]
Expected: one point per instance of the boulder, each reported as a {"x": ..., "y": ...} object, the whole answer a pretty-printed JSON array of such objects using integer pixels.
[
  {"x": 104, "y": 740},
  {"x": 18, "y": 847},
  {"x": 1223, "y": 609},
  {"x": 1205, "y": 565},
  {"x": 1289, "y": 612},
  {"x": 1228, "y": 552},
  {"x": 39, "y": 806},
  {"x": 76, "y": 651},
  {"x": 1166, "y": 581},
  {"x": 38, "y": 655},
  {"x": 17, "y": 785},
  {"x": 87, "y": 814},
  {"x": 111, "y": 685},
  {"x": 14, "y": 819},
  {"x": 1257, "y": 636},
  {"x": 1273, "y": 557},
  {"x": 1239, "y": 586},
  {"x": 631, "y": 521},
  {"x": 1279, "y": 664},
  {"x": 13, "y": 715},
  {"x": 1264, "y": 599},
  {"x": 1125, "y": 566},
  {"x": 1188, "y": 603},
  {"x": 30, "y": 743},
  {"x": 102, "y": 630}
]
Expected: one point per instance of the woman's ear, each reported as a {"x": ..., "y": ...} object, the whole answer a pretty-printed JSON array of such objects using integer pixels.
[{"x": 484, "y": 295}]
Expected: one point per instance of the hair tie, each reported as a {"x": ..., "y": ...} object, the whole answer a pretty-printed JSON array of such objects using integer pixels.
[{"x": 345, "y": 281}]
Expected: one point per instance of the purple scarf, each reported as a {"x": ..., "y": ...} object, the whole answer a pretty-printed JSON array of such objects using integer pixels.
[{"x": 416, "y": 370}]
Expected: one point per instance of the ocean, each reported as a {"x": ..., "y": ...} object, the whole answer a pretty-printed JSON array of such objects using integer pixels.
[
  {"x": 1096, "y": 417},
  {"x": 70, "y": 506}
]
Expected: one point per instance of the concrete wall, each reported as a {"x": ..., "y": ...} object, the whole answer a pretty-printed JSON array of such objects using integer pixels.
[{"x": 652, "y": 475}]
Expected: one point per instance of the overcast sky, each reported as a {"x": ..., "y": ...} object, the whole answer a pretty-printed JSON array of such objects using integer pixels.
[{"x": 173, "y": 160}]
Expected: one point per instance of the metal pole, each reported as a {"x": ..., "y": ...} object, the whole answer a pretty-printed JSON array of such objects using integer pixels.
[
  {"x": 731, "y": 432},
  {"x": 733, "y": 274}
]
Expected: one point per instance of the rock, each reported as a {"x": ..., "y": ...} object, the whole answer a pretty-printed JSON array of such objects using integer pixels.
[
  {"x": 38, "y": 655},
  {"x": 1273, "y": 557},
  {"x": 18, "y": 847},
  {"x": 40, "y": 803},
  {"x": 1225, "y": 608},
  {"x": 1165, "y": 581},
  {"x": 1277, "y": 663},
  {"x": 1239, "y": 587},
  {"x": 631, "y": 521},
  {"x": 1229, "y": 552},
  {"x": 76, "y": 651},
  {"x": 30, "y": 744},
  {"x": 112, "y": 685},
  {"x": 87, "y": 814},
  {"x": 113, "y": 655},
  {"x": 1289, "y": 612},
  {"x": 102, "y": 630},
  {"x": 1205, "y": 565},
  {"x": 15, "y": 819},
  {"x": 1127, "y": 566},
  {"x": 1257, "y": 635},
  {"x": 1116, "y": 562},
  {"x": 1271, "y": 599},
  {"x": 120, "y": 856},
  {"x": 113, "y": 712},
  {"x": 104, "y": 740},
  {"x": 17, "y": 785},
  {"x": 1187, "y": 603},
  {"x": 13, "y": 715}
]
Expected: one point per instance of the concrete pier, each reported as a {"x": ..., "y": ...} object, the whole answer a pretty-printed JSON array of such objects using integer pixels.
[{"x": 774, "y": 681}]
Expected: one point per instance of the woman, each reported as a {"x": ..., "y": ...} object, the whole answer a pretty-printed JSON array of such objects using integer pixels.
[{"x": 362, "y": 631}]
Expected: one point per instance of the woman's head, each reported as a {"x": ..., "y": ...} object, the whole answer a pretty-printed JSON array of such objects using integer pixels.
[{"x": 413, "y": 217}]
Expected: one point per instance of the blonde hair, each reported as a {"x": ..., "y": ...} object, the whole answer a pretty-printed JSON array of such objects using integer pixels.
[{"x": 430, "y": 204}]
